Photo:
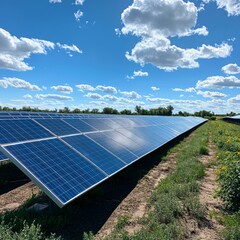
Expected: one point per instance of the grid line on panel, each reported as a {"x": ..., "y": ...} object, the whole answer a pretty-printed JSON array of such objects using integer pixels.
[{"x": 95, "y": 153}]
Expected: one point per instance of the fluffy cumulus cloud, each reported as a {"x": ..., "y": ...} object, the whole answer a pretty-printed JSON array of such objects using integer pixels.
[
  {"x": 231, "y": 68},
  {"x": 85, "y": 87},
  {"x": 63, "y": 89},
  {"x": 13, "y": 50},
  {"x": 138, "y": 74},
  {"x": 160, "y": 18},
  {"x": 132, "y": 94},
  {"x": 160, "y": 53},
  {"x": 235, "y": 99},
  {"x": 78, "y": 15},
  {"x": 107, "y": 89},
  {"x": 155, "y": 22},
  {"x": 208, "y": 94},
  {"x": 111, "y": 98},
  {"x": 218, "y": 82},
  {"x": 93, "y": 96},
  {"x": 155, "y": 88},
  {"x": 18, "y": 83},
  {"x": 53, "y": 96}
]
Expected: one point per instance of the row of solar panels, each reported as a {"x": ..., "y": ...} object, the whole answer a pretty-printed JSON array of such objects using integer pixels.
[
  {"x": 234, "y": 119},
  {"x": 22, "y": 115},
  {"x": 19, "y": 130},
  {"x": 67, "y": 157}
]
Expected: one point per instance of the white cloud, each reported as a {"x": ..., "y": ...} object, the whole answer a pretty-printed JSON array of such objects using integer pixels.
[
  {"x": 78, "y": 15},
  {"x": 93, "y": 96},
  {"x": 160, "y": 18},
  {"x": 69, "y": 48},
  {"x": 217, "y": 82},
  {"x": 208, "y": 94},
  {"x": 107, "y": 89},
  {"x": 138, "y": 74},
  {"x": 178, "y": 90},
  {"x": 14, "y": 51},
  {"x": 79, "y": 2},
  {"x": 181, "y": 95},
  {"x": 235, "y": 99},
  {"x": 231, "y": 68},
  {"x": 53, "y": 96},
  {"x": 156, "y": 21},
  {"x": 55, "y": 1},
  {"x": 155, "y": 88},
  {"x": 111, "y": 98},
  {"x": 131, "y": 94},
  {"x": 85, "y": 87},
  {"x": 63, "y": 89},
  {"x": 160, "y": 53},
  {"x": 231, "y": 6},
  {"x": 191, "y": 89},
  {"x": 28, "y": 96},
  {"x": 18, "y": 83}
]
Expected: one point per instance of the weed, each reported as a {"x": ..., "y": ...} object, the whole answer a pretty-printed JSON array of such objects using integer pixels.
[
  {"x": 203, "y": 150},
  {"x": 121, "y": 223}
]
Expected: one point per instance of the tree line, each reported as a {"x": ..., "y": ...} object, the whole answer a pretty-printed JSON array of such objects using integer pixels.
[{"x": 161, "y": 111}]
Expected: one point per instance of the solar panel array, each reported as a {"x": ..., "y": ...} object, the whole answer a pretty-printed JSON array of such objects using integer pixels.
[
  {"x": 233, "y": 119},
  {"x": 68, "y": 154}
]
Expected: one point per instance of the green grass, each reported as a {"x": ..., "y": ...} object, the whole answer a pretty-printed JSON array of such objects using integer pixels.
[{"x": 176, "y": 195}]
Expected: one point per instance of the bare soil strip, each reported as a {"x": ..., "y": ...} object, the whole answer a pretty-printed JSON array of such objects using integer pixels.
[
  {"x": 210, "y": 230},
  {"x": 134, "y": 206},
  {"x": 17, "y": 197}
]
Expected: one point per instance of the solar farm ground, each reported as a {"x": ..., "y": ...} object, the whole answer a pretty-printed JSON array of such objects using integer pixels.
[{"x": 169, "y": 194}]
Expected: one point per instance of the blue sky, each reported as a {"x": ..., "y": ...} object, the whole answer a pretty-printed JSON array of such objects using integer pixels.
[{"x": 96, "y": 54}]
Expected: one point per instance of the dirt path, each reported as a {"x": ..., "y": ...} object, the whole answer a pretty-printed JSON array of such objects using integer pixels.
[
  {"x": 207, "y": 191},
  {"x": 17, "y": 197}
]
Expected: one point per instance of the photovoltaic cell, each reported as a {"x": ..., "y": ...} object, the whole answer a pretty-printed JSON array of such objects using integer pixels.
[
  {"x": 128, "y": 143},
  {"x": 62, "y": 172},
  {"x": 95, "y": 153},
  {"x": 2, "y": 156},
  {"x": 102, "y": 124},
  {"x": 113, "y": 147},
  {"x": 21, "y": 130},
  {"x": 57, "y": 126},
  {"x": 80, "y": 125}
]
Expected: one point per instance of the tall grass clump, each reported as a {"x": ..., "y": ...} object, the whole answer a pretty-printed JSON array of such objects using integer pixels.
[{"x": 32, "y": 231}]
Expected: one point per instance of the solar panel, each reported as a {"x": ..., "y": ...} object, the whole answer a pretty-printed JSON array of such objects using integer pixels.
[
  {"x": 60, "y": 171},
  {"x": 101, "y": 124},
  {"x": 2, "y": 157},
  {"x": 80, "y": 125},
  {"x": 68, "y": 154},
  {"x": 57, "y": 126},
  {"x": 95, "y": 153},
  {"x": 113, "y": 147},
  {"x": 21, "y": 130}
]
